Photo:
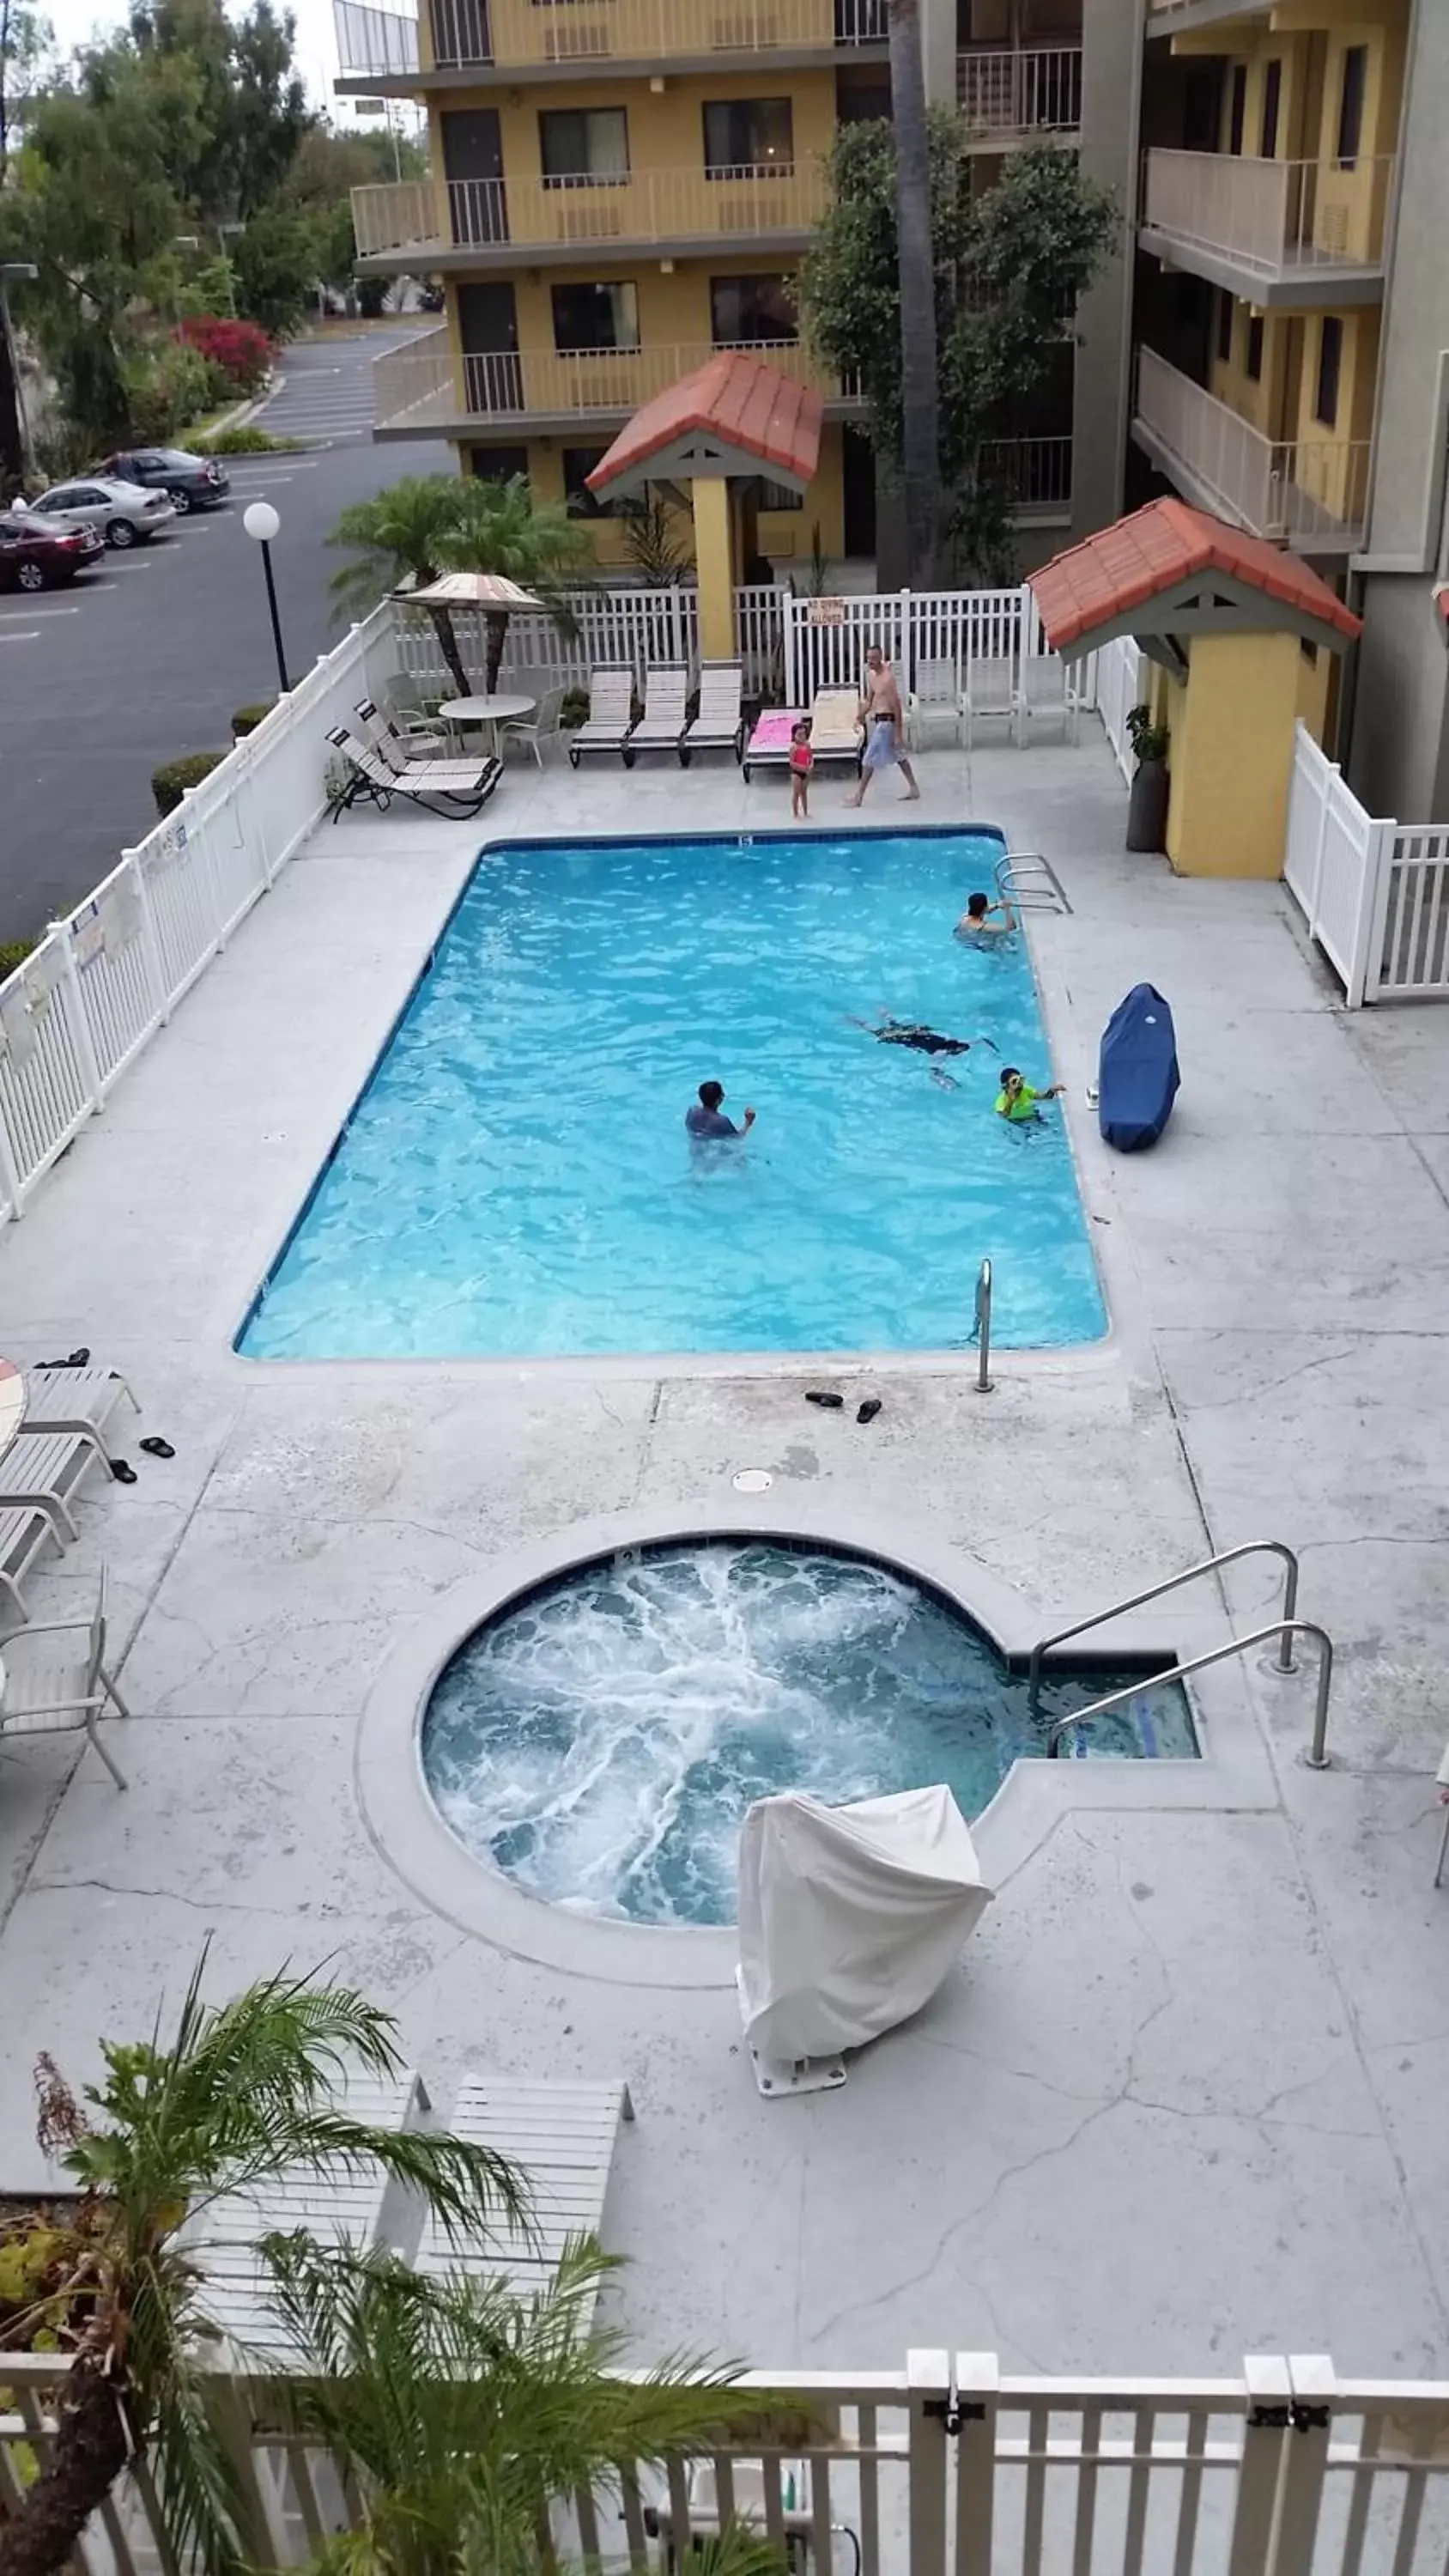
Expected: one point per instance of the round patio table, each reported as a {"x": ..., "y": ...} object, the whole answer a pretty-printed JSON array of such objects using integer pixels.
[
  {"x": 488, "y": 711},
  {"x": 12, "y": 1402}
]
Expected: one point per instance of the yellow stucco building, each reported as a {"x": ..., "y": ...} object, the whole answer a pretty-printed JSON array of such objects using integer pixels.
[{"x": 618, "y": 189}]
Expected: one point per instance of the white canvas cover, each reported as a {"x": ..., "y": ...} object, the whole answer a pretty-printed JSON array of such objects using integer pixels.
[{"x": 849, "y": 1916}]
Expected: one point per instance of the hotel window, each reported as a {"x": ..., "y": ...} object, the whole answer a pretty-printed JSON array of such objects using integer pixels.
[
  {"x": 1330, "y": 359},
  {"x": 579, "y": 501},
  {"x": 1350, "y": 105},
  {"x": 596, "y": 317},
  {"x": 747, "y": 134},
  {"x": 1253, "y": 363},
  {"x": 779, "y": 496},
  {"x": 583, "y": 146},
  {"x": 745, "y": 312},
  {"x": 1272, "y": 100}
]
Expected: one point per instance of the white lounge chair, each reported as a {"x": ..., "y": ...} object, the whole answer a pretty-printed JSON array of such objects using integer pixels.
[
  {"x": 25, "y": 1530},
  {"x": 444, "y": 775},
  {"x": 719, "y": 725},
  {"x": 1044, "y": 689},
  {"x": 835, "y": 731},
  {"x": 44, "y": 1469},
  {"x": 425, "y": 735},
  {"x": 360, "y": 2205},
  {"x": 54, "y": 1688},
  {"x": 80, "y": 1401},
  {"x": 561, "y": 2136},
  {"x": 370, "y": 776},
  {"x": 611, "y": 712},
  {"x": 990, "y": 690},
  {"x": 661, "y": 726},
  {"x": 935, "y": 700}
]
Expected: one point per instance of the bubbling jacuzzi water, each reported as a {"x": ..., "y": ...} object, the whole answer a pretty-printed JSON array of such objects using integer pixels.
[{"x": 600, "y": 1741}]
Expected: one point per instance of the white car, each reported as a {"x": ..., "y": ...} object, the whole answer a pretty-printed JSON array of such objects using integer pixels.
[{"x": 126, "y": 513}]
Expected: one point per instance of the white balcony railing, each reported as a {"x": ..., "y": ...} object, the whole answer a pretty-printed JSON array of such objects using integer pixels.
[
  {"x": 1036, "y": 89},
  {"x": 1310, "y": 493},
  {"x": 419, "y": 387},
  {"x": 1031, "y": 474},
  {"x": 457, "y": 34},
  {"x": 429, "y": 216},
  {"x": 1270, "y": 218}
]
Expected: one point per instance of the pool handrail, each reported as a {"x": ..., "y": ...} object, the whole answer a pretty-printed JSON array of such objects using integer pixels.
[
  {"x": 1171, "y": 1583},
  {"x": 1050, "y": 897},
  {"x": 985, "y": 1384},
  {"x": 1283, "y": 1629}
]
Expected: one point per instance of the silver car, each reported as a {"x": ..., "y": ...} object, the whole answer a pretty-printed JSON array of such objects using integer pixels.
[{"x": 125, "y": 513}]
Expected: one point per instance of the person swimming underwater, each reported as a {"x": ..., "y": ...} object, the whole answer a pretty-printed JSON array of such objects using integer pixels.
[{"x": 915, "y": 1033}]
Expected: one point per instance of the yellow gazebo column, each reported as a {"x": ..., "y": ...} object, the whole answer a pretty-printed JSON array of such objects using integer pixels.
[
  {"x": 1231, "y": 755},
  {"x": 714, "y": 556}
]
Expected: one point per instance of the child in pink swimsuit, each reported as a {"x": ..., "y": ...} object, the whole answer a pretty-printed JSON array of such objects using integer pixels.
[{"x": 802, "y": 761}]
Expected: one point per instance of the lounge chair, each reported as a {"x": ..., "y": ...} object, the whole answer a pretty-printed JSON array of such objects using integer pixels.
[
  {"x": 561, "y": 2136},
  {"x": 359, "y": 2204},
  {"x": 661, "y": 726},
  {"x": 25, "y": 1529},
  {"x": 444, "y": 776},
  {"x": 990, "y": 691},
  {"x": 1044, "y": 689},
  {"x": 370, "y": 777},
  {"x": 44, "y": 1468},
  {"x": 80, "y": 1401},
  {"x": 935, "y": 699},
  {"x": 611, "y": 712},
  {"x": 52, "y": 1689},
  {"x": 719, "y": 725},
  {"x": 835, "y": 731},
  {"x": 769, "y": 743}
]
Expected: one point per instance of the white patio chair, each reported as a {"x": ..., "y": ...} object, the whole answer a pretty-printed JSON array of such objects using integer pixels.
[
  {"x": 935, "y": 699},
  {"x": 24, "y": 1530},
  {"x": 719, "y": 725},
  {"x": 661, "y": 726},
  {"x": 53, "y": 1688},
  {"x": 1044, "y": 689},
  {"x": 990, "y": 690},
  {"x": 611, "y": 712},
  {"x": 535, "y": 730},
  {"x": 426, "y": 737},
  {"x": 562, "y": 2138}
]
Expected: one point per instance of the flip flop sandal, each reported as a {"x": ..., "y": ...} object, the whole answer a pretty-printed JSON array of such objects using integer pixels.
[
  {"x": 80, "y": 1358},
  {"x": 123, "y": 1471},
  {"x": 869, "y": 1409},
  {"x": 826, "y": 1398},
  {"x": 158, "y": 1448}
]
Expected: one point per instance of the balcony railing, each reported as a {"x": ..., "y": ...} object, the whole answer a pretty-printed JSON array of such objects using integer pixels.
[
  {"x": 420, "y": 388},
  {"x": 1309, "y": 493},
  {"x": 1035, "y": 90},
  {"x": 428, "y": 217},
  {"x": 1031, "y": 474},
  {"x": 518, "y": 34},
  {"x": 1272, "y": 219}
]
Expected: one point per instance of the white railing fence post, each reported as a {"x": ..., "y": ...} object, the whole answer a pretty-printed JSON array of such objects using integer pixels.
[
  {"x": 1266, "y": 2421},
  {"x": 150, "y": 940},
  {"x": 978, "y": 2387},
  {"x": 1300, "y": 2496},
  {"x": 1372, "y": 927},
  {"x": 790, "y": 610},
  {"x": 1325, "y": 785},
  {"x": 928, "y": 2380},
  {"x": 10, "y": 1180}
]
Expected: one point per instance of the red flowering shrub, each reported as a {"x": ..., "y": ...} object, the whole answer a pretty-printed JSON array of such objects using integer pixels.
[{"x": 242, "y": 352}]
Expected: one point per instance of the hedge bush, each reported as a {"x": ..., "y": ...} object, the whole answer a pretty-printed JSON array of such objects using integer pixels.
[
  {"x": 240, "y": 349},
  {"x": 170, "y": 782},
  {"x": 245, "y": 441},
  {"x": 245, "y": 720},
  {"x": 13, "y": 953}
]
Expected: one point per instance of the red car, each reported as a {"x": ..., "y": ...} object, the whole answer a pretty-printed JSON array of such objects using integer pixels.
[{"x": 35, "y": 557}]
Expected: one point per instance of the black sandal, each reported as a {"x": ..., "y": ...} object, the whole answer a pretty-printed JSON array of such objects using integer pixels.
[
  {"x": 869, "y": 1409},
  {"x": 156, "y": 1448},
  {"x": 824, "y": 1396},
  {"x": 123, "y": 1471}
]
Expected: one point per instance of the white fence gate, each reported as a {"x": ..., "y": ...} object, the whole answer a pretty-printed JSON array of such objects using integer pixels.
[{"x": 1119, "y": 688}]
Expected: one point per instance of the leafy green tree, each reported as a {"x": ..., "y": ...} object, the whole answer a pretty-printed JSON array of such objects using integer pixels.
[
  {"x": 431, "y": 524},
  {"x": 239, "y": 2092},
  {"x": 1010, "y": 268},
  {"x": 276, "y": 263}
]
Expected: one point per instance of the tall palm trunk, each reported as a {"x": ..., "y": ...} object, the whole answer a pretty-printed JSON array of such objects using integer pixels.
[
  {"x": 920, "y": 452},
  {"x": 89, "y": 2454},
  {"x": 448, "y": 646},
  {"x": 497, "y": 634}
]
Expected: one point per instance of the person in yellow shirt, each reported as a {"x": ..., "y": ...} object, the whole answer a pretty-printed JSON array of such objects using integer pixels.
[{"x": 1017, "y": 1100}]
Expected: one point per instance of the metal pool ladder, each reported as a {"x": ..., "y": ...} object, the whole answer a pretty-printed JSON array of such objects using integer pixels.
[
  {"x": 984, "y": 1383},
  {"x": 1285, "y": 1628},
  {"x": 1028, "y": 879}
]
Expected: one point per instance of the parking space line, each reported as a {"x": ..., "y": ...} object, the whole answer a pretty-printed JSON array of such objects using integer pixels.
[
  {"x": 17, "y": 634},
  {"x": 72, "y": 610}
]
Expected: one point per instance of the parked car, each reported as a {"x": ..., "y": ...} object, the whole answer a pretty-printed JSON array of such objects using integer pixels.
[
  {"x": 39, "y": 558},
  {"x": 125, "y": 514},
  {"x": 194, "y": 482}
]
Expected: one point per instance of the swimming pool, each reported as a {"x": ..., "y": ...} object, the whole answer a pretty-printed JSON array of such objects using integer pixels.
[
  {"x": 599, "y": 1741},
  {"x": 515, "y": 1181}
]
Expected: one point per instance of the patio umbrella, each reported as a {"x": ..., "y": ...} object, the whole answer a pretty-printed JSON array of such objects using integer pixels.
[{"x": 469, "y": 590}]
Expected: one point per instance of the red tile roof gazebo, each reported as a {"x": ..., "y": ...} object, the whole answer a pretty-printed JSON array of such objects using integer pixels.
[
  {"x": 1129, "y": 579},
  {"x": 733, "y": 416}
]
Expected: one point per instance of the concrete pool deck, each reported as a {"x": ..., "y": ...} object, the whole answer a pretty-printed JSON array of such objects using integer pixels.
[{"x": 1184, "y": 2096}]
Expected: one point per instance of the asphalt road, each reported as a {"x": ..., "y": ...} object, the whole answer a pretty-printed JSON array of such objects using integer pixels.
[{"x": 145, "y": 658}]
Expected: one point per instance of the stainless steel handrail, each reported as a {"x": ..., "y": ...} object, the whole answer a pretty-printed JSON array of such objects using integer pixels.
[
  {"x": 1284, "y": 1629},
  {"x": 1155, "y": 1591},
  {"x": 1040, "y": 865},
  {"x": 985, "y": 1382}
]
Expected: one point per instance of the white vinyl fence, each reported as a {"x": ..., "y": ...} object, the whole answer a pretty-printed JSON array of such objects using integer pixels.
[
  {"x": 940, "y": 2469},
  {"x": 104, "y": 979},
  {"x": 1120, "y": 683},
  {"x": 1374, "y": 893}
]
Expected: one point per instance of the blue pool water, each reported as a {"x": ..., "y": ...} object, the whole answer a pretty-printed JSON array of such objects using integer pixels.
[
  {"x": 516, "y": 1179},
  {"x": 600, "y": 1741}
]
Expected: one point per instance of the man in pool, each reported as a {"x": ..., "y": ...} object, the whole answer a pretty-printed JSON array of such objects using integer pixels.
[
  {"x": 983, "y": 922},
  {"x": 1016, "y": 1099},
  {"x": 884, "y": 719},
  {"x": 705, "y": 1120}
]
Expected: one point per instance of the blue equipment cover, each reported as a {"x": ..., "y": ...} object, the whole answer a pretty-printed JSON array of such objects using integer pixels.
[{"x": 1137, "y": 1076}]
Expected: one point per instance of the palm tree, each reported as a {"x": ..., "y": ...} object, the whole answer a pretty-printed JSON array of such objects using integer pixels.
[
  {"x": 503, "y": 529},
  {"x": 466, "y": 2409},
  {"x": 241, "y": 2091},
  {"x": 920, "y": 452},
  {"x": 407, "y": 530}
]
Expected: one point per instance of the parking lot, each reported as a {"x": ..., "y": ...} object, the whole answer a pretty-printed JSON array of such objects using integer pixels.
[{"x": 145, "y": 656}]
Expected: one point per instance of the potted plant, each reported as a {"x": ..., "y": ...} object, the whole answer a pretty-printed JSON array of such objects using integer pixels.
[{"x": 1147, "y": 810}]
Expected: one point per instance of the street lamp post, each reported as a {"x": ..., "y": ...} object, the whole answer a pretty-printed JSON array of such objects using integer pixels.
[
  {"x": 21, "y": 270},
  {"x": 261, "y": 522}
]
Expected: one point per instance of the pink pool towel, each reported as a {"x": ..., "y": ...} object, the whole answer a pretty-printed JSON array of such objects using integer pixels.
[{"x": 769, "y": 745}]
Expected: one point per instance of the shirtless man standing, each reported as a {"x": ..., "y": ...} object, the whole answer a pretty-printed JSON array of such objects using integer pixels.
[{"x": 884, "y": 720}]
